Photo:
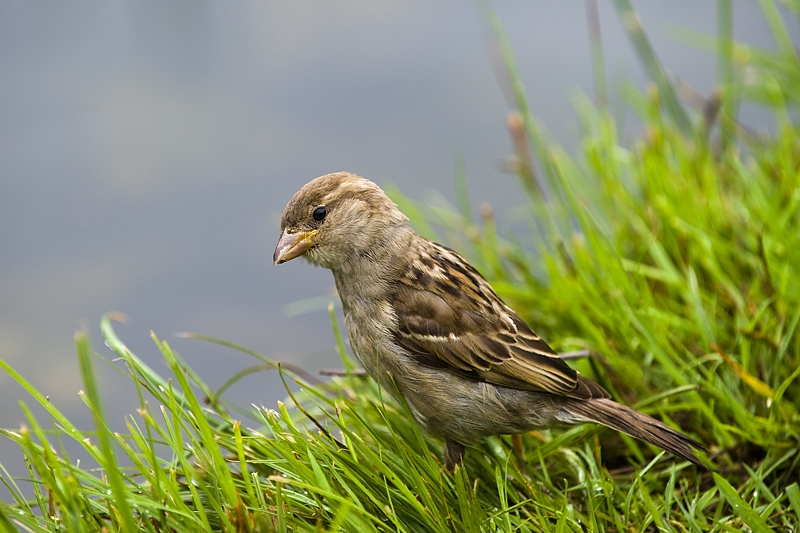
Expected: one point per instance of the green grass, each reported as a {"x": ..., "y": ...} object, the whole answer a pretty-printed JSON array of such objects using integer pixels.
[{"x": 674, "y": 260}]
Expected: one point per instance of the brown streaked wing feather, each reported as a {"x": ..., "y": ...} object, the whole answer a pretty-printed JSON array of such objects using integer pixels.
[{"x": 450, "y": 317}]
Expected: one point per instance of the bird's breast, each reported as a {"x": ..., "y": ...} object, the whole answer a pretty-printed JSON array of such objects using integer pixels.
[{"x": 369, "y": 330}]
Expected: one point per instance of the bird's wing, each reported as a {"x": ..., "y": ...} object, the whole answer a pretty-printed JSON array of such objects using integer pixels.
[{"x": 450, "y": 317}]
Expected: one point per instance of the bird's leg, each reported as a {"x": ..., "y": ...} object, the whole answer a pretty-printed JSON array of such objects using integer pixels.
[
  {"x": 519, "y": 447},
  {"x": 453, "y": 454}
]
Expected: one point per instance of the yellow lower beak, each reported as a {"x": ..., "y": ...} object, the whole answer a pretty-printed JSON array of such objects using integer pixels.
[{"x": 293, "y": 245}]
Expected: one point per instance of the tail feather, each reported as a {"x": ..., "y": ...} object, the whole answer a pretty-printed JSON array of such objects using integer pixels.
[{"x": 637, "y": 425}]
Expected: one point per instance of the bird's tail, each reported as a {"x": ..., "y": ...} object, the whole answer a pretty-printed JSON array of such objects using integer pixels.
[{"x": 638, "y": 425}]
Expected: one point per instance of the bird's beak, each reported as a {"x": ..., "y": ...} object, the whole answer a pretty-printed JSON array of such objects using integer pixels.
[{"x": 293, "y": 245}]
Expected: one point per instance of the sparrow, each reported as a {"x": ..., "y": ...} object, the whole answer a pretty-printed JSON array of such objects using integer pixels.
[{"x": 424, "y": 322}]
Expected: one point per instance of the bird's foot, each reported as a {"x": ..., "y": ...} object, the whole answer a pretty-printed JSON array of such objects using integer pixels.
[{"x": 453, "y": 454}]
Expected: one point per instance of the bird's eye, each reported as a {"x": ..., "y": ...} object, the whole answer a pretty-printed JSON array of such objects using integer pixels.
[{"x": 320, "y": 212}]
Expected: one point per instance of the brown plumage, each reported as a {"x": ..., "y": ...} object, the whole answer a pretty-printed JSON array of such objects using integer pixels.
[{"x": 467, "y": 365}]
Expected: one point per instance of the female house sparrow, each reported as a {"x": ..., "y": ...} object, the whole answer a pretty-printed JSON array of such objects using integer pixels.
[{"x": 424, "y": 320}]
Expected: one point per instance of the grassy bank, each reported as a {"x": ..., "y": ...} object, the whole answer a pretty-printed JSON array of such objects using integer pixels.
[{"x": 673, "y": 259}]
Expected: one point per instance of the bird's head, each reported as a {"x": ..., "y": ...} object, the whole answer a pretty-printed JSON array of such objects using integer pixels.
[{"x": 335, "y": 218}]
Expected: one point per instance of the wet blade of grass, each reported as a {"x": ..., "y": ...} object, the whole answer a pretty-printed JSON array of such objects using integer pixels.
[
  {"x": 740, "y": 507},
  {"x": 112, "y": 470}
]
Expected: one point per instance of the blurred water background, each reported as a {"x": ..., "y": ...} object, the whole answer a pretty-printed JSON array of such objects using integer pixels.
[{"x": 148, "y": 148}]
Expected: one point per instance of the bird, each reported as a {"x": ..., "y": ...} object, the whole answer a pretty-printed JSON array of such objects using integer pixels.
[{"x": 425, "y": 323}]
